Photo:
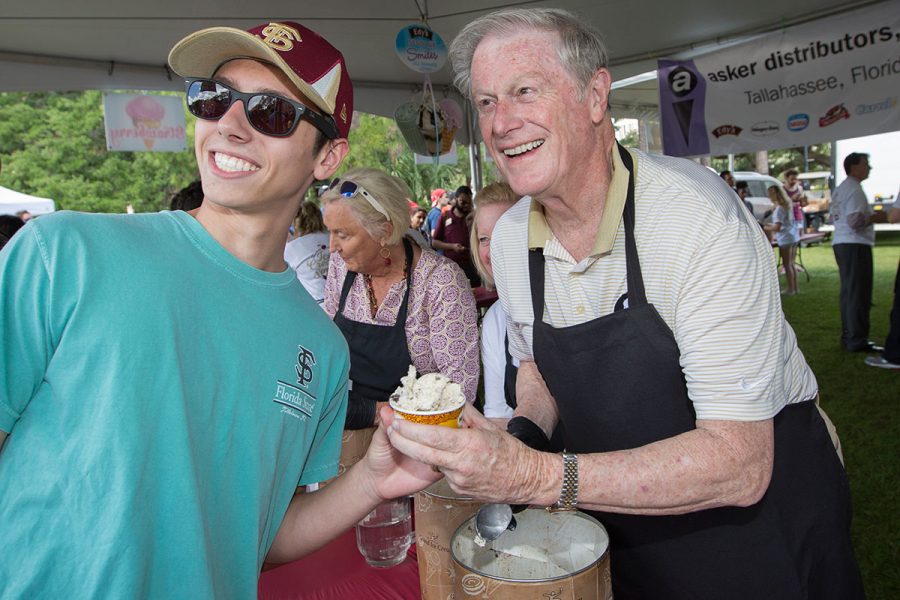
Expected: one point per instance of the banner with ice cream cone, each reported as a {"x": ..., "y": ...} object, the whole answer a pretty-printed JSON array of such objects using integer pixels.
[
  {"x": 144, "y": 123},
  {"x": 429, "y": 124}
]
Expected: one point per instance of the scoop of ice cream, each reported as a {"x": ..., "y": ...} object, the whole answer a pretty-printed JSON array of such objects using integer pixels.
[
  {"x": 430, "y": 392},
  {"x": 145, "y": 108},
  {"x": 453, "y": 114}
]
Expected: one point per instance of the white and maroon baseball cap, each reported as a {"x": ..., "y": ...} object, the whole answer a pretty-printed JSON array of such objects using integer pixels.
[{"x": 311, "y": 63}]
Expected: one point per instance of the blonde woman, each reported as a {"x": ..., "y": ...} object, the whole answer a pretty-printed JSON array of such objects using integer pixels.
[
  {"x": 500, "y": 368},
  {"x": 786, "y": 235},
  {"x": 395, "y": 303}
]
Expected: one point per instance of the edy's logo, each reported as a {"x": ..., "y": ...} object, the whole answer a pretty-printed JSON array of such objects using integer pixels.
[
  {"x": 305, "y": 361},
  {"x": 280, "y": 37},
  {"x": 727, "y": 130}
]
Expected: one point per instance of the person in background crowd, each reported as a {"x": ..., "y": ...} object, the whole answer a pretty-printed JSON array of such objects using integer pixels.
[
  {"x": 307, "y": 254},
  {"x": 785, "y": 235},
  {"x": 9, "y": 225},
  {"x": 854, "y": 237},
  {"x": 24, "y": 215},
  {"x": 439, "y": 200},
  {"x": 417, "y": 222},
  {"x": 743, "y": 190},
  {"x": 890, "y": 358},
  {"x": 452, "y": 234},
  {"x": 500, "y": 367},
  {"x": 157, "y": 420},
  {"x": 728, "y": 178},
  {"x": 797, "y": 196},
  {"x": 188, "y": 198},
  {"x": 396, "y": 304},
  {"x": 689, "y": 413}
]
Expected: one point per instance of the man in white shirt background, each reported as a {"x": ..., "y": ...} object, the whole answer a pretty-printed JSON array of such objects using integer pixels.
[{"x": 854, "y": 236}]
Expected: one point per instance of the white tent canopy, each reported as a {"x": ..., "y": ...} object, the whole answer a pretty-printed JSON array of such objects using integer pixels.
[
  {"x": 110, "y": 44},
  {"x": 12, "y": 202}
]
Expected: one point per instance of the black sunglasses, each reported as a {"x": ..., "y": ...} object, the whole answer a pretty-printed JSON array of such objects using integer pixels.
[{"x": 267, "y": 113}]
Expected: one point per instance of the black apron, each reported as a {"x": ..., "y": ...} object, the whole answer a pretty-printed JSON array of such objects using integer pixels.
[
  {"x": 379, "y": 354},
  {"x": 510, "y": 375},
  {"x": 618, "y": 384}
]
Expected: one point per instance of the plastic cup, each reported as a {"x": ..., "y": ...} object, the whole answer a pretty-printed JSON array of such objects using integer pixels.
[{"x": 385, "y": 534}]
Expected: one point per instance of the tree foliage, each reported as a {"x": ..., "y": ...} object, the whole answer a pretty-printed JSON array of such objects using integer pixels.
[
  {"x": 819, "y": 156},
  {"x": 376, "y": 142},
  {"x": 54, "y": 145}
]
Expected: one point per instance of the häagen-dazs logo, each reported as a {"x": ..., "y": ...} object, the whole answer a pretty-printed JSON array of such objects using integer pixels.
[
  {"x": 798, "y": 122},
  {"x": 764, "y": 128},
  {"x": 297, "y": 400}
]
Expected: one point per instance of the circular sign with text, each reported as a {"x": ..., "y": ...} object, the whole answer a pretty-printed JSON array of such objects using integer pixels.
[{"x": 420, "y": 48}]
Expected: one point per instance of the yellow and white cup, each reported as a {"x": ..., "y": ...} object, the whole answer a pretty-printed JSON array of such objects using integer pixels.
[{"x": 444, "y": 418}]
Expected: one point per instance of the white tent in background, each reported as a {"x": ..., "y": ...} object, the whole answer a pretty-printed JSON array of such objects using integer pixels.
[{"x": 12, "y": 202}]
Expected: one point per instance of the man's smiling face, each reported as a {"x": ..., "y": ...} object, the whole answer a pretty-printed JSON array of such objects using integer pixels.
[
  {"x": 243, "y": 169},
  {"x": 534, "y": 117}
]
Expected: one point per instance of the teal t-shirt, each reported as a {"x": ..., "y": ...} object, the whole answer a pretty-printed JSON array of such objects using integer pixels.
[{"x": 163, "y": 401}]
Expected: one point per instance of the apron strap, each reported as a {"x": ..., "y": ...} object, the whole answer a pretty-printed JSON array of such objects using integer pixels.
[
  {"x": 404, "y": 307},
  {"x": 351, "y": 277},
  {"x": 636, "y": 294}
]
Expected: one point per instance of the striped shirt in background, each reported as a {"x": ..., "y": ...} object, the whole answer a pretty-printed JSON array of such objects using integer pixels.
[{"x": 707, "y": 268}]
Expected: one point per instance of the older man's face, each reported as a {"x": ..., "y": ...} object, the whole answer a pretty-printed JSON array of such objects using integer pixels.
[{"x": 530, "y": 116}]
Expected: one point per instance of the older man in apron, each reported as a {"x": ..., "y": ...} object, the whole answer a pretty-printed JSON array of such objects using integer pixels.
[{"x": 643, "y": 305}]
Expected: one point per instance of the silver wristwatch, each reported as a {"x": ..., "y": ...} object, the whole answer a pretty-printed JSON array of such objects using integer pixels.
[{"x": 568, "y": 495}]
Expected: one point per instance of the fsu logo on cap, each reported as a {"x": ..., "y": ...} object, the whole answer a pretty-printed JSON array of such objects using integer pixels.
[
  {"x": 344, "y": 113},
  {"x": 280, "y": 37}
]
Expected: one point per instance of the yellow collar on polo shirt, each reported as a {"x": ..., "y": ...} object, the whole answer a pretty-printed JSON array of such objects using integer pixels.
[{"x": 539, "y": 231}]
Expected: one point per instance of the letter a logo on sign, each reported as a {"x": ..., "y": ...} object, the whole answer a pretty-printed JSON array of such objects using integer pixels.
[
  {"x": 681, "y": 104},
  {"x": 682, "y": 82}
]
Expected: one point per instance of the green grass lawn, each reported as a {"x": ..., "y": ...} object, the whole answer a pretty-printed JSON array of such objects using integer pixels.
[{"x": 862, "y": 401}]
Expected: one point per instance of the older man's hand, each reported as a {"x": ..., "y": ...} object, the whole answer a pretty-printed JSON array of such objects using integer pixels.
[{"x": 479, "y": 460}]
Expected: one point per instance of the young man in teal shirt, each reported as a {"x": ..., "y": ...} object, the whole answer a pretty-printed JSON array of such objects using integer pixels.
[{"x": 166, "y": 384}]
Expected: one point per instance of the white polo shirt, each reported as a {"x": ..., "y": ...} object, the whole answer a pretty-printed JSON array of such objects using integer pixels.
[
  {"x": 850, "y": 198},
  {"x": 707, "y": 268}
]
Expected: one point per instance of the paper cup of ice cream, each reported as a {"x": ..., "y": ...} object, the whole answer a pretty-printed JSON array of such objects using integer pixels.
[{"x": 431, "y": 399}]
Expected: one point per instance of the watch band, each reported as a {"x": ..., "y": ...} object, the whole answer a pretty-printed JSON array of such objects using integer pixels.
[{"x": 568, "y": 495}]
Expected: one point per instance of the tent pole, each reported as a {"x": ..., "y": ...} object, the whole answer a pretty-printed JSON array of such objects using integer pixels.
[{"x": 474, "y": 150}]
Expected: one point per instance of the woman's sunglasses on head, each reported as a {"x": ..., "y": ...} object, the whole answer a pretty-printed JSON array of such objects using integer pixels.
[
  {"x": 348, "y": 189},
  {"x": 267, "y": 113}
]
